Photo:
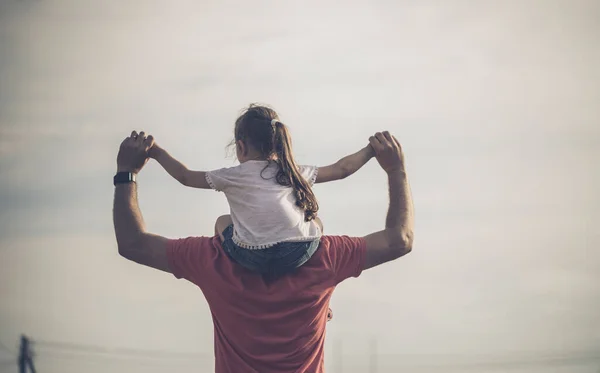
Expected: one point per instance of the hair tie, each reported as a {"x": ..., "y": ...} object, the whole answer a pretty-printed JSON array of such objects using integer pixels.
[{"x": 274, "y": 123}]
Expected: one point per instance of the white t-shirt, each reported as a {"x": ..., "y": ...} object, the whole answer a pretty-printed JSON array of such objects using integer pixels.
[{"x": 264, "y": 213}]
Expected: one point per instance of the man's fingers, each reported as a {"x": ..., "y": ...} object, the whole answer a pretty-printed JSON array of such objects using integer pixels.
[
  {"x": 376, "y": 144},
  {"x": 126, "y": 141},
  {"x": 384, "y": 142},
  {"x": 396, "y": 142},
  {"x": 391, "y": 140}
]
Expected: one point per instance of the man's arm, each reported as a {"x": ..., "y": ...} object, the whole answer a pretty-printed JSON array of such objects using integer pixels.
[
  {"x": 194, "y": 179},
  {"x": 345, "y": 166},
  {"x": 133, "y": 241},
  {"x": 396, "y": 239}
]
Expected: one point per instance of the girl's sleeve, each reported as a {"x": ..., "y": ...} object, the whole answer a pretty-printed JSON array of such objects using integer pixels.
[
  {"x": 309, "y": 173},
  {"x": 220, "y": 179}
]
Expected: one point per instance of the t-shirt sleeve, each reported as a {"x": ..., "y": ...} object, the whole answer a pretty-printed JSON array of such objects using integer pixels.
[
  {"x": 346, "y": 256},
  {"x": 220, "y": 179},
  {"x": 309, "y": 173},
  {"x": 188, "y": 257}
]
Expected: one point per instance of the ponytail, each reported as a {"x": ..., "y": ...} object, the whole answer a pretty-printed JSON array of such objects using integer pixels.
[{"x": 289, "y": 174}]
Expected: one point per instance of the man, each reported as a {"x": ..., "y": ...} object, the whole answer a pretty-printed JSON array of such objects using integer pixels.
[{"x": 263, "y": 326}]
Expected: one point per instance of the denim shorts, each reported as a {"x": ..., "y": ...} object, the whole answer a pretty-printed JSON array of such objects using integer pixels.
[{"x": 274, "y": 261}]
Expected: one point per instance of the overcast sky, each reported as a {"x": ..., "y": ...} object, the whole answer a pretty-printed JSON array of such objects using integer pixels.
[{"x": 494, "y": 102}]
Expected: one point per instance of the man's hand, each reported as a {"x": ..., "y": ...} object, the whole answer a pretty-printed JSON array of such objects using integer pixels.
[
  {"x": 133, "y": 153},
  {"x": 387, "y": 151}
]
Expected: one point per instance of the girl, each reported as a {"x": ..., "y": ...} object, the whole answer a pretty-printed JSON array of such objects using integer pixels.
[{"x": 273, "y": 227}]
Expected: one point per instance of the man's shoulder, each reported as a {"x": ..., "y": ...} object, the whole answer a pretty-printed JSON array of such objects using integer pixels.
[
  {"x": 332, "y": 242},
  {"x": 191, "y": 242},
  {"x": 344, "y": 255},
  {"x": 188, "y": 256},
  {"x": 333, "y": 246}
]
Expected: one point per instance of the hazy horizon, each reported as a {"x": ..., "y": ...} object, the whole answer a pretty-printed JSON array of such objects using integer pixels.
[{"x": 496, "y": 107}]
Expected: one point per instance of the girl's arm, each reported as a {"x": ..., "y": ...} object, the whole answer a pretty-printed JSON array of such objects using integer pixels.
[
  {"x": 345, "y": 166},
  {"x": 194, "y": 179}
]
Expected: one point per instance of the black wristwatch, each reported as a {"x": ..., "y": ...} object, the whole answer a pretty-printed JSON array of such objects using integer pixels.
[{"x": 124, "y": 178}]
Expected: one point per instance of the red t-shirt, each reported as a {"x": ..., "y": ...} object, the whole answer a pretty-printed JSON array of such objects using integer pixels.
[{"x": 267, "y": 327}]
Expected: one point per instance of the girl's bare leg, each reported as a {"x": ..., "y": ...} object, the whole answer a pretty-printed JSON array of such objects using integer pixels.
[
  {"x": 320, "y": 223},
  {"x": 222, "y": 222}
]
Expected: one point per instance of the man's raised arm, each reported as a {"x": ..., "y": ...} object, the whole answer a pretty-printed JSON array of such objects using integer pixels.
[
  {"x": 396, "y": 239},
  {"x": 132, "y": 239}
]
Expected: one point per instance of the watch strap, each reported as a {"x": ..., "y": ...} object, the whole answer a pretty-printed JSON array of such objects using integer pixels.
[{"x": 124, "y": 178}]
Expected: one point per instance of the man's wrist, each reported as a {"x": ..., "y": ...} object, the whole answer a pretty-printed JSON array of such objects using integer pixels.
[
  {"x": 400, "y": 172},
  {"x": 124, "y": 177},
  {"x": 126, "y": 169}
]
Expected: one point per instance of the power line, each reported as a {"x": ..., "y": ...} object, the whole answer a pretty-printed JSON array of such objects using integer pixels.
[
  {"x": 501, "y": 362},
  {"x": 83, "y": 355},
  {"x": 76, "y": 351},
  {"x": 6, "y": 348},
  {"x": 104, "y": 359},
  {"x": 126, "y": 352}
]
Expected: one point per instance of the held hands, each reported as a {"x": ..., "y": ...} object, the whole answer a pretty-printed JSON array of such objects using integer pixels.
[
  {"x": 133, "y": 153},
  {"x": 154, "y": 151},
  {"x": 387, "y": 151}
]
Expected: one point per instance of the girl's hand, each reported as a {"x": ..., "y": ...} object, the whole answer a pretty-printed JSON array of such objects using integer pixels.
[
  {"x": 370, "y": 150},
  {"x": 154, "y": 151}
]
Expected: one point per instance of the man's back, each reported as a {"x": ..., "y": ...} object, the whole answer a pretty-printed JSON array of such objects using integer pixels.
[{"x": 267, "y": 326}]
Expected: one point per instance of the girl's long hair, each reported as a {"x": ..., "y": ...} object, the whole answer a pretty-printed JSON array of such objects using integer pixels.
[{"x": 254, "y": 127}]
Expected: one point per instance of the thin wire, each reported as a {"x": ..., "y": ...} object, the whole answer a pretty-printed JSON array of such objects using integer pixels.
[
  {"x": 115, "y": 359},
  {"x": 503, "y": 365},
  {"x": 506, "y": 362},
  {"x": 82, "y": 351},
  {"x": 75, "y": 347},
  {"x": 6, "y": 348},
  {"x": 4, "y": 363}
]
